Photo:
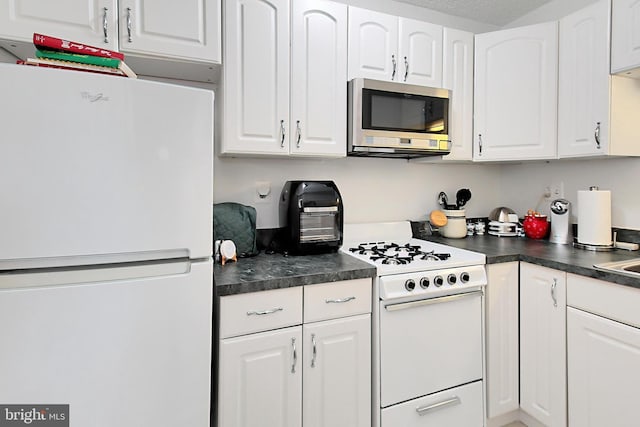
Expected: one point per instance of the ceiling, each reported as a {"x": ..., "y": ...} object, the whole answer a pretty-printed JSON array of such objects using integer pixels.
[{"x": 496, "y": 12}]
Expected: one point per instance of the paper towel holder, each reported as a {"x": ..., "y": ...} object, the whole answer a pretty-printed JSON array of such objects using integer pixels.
[{"x": 588, "y": 246}]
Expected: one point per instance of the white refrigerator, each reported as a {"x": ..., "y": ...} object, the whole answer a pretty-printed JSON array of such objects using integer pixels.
[{"x": 106, "y": 275}]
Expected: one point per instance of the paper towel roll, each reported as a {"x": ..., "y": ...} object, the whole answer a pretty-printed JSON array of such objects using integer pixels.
[{"x": 594, "y": 217}]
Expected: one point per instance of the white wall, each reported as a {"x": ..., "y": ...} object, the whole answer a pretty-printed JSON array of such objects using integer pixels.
[
  {"x": 526, "y": 183},
  {"x": 372, "y": 189}
]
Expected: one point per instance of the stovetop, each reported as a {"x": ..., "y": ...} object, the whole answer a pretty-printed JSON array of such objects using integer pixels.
[{"x": 411, "y": 255}]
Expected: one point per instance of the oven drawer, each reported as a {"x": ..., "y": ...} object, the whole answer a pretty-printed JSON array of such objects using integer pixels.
[{"x": 457, "y": 407}]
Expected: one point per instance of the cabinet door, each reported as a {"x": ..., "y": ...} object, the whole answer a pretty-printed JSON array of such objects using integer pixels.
[
  {"x": 373, "y": 45},
  {"x": 318, "y": 78},
  {"x": 419, "y": 53},
  {"x": 92, "y": 22},
  {"x": 260, "y": 379},
  {"x": 457, "y": 76},
  {"x": 583, "y": 112},
  {"x": 256, "y": 77},
  {"x": 337, "y": 373},
  {"x": 603, "y": 359},
  {"x": 502, "y": 339},
  {"x": 625, "y": 36},
  {"x": 187, "y": 30},
  {"x": 543, "y": 370},
  {"x": 515, "y": 100}
]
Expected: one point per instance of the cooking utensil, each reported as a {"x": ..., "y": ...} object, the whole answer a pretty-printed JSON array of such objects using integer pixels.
[
  {"x": 443, "y": 199},
  {"x": 462, "y": 197}
]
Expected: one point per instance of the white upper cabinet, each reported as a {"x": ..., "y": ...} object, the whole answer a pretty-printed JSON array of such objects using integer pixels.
[
  {"x": 515, "y": 100},
  {"x": 385, "y": 47},
  {"x": 373, "y": 45},
  {"x": 92, "y": 22},
  {"x": 625, "y": 37},
  {"x": 163, "y": 39},
  {"x": 419, "y": 53},
  {"x": 281, "y": 99},
  {"x": 457, "y": 76},
  {"x": 188, "y": 29},
  {"x": 594, "y": 108},
  {"x": 583, "y": 92},
  {"x": 256, "y": 76},
  {"x": 318, "y": 78}
]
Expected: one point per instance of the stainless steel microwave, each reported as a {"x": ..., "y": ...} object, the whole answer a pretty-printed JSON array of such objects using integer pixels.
[{"x": 389, "y": 119}]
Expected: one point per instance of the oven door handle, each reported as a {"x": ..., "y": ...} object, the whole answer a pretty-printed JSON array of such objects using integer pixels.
[
  {"x": 423, "y": 410},
  {"x": 423, "y": 302}
]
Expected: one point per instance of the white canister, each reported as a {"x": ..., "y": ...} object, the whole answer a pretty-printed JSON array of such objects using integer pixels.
[{"x": 456, "y": 226}]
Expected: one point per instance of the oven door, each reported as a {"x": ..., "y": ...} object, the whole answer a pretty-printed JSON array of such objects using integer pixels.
[{"x": 429, "y": 345}]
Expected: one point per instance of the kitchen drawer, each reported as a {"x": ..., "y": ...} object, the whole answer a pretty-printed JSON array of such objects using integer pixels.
[
  {"x": 460, "y": 406},
  {"x": 337, "y": 299},
  {"x": 610, "y": 300},
  {"x": 260, "y": 311}
]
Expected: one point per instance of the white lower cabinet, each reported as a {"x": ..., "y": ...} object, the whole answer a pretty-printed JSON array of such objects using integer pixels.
[
  {"x": 543, "y": 369},
  {"x": 603, "y": 330},
  {"x": 316, "y": 374},
  {"x": 502, "y": 334},
  {"x": 260, "y": 379},
  {"x": 337, "y": 373}
]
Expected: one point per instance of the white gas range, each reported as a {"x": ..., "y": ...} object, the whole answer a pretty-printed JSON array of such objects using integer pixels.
[{"x": 428, "y": 328}]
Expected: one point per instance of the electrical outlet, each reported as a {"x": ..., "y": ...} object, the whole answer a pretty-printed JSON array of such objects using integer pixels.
[
  {"x": 554, "y": 191},
  {"x": 262, "y": 192}
]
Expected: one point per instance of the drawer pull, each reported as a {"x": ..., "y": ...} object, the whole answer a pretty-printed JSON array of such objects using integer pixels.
[
  {"x": 339, "y": 300},
  {"x": 440, "y": 405},
  {"x": 295, "y": 355},
  {"x": 263, "y": 312}
]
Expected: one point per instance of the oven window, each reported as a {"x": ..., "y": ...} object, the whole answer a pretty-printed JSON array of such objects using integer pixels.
[{"x": 404, "y": 112}]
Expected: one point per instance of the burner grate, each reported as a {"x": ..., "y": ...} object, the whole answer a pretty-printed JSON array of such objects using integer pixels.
[{"x": 396, "y": 254}]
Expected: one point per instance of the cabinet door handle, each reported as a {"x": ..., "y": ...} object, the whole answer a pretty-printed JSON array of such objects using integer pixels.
[
  {"x": 314, "y": 350},
  {"x": 295, "y": 355},
  {"x": 105, "y": 28},
  {"x": 129, "y": 39},
  {"x": 282, "y": 133},
  {"x": 393, "y": 63},
  {"x": 480, "y": 144},
  {"x": 263, "y": 312},
  {"x": 339, "y": 300},
  {"x": 596, "y": 135},
  {"x": 553, "y": 292},
  {"x": 299, "y": 132},
  {"x": 406, "y": 68},
  {"x": 423, "y": 410}
]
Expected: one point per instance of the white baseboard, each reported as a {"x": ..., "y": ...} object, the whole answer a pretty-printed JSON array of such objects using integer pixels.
[{"x": 509, "y": 417}]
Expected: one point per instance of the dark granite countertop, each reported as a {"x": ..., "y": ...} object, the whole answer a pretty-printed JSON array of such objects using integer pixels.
[
  {"x": 275, "y": 271},
  {"x": 542, "y": 252}
]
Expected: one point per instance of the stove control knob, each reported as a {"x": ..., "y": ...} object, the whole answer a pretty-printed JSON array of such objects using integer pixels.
[
  {"x": 409, "y": 285},
  {"x": 438, "y": 281},
  {"x": 451, "y": 279},
  {"x": 424, "y": 282},
  {"x": 464, "y": 277}
]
